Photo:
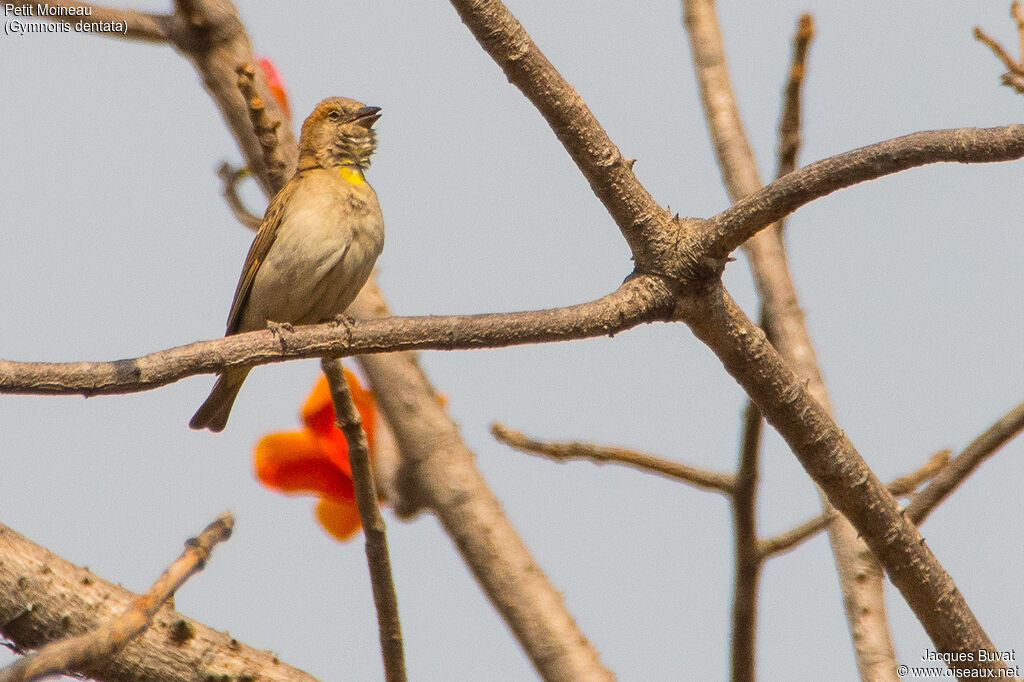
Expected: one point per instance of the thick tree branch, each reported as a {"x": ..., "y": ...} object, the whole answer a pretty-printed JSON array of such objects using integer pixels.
[
  {"x": 381, "y": 580},
  {"x": 44, "y": 597},
  {"x": 641, "y": 299},
  {"x": 600, "y": 454},
  {"x": 835, "y": 465},
  {"x": 73, "y": 653}
]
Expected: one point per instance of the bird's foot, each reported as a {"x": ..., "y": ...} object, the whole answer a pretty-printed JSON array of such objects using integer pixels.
[
  {"x": 347, "y": 322},
  {"x": 280, "y": 330}
]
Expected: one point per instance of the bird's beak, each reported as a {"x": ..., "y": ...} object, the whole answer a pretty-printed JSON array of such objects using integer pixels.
[{"x": 367, "y": 116}]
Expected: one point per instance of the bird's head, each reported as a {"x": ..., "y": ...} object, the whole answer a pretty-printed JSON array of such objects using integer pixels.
[{"x": 340, "y": 132}]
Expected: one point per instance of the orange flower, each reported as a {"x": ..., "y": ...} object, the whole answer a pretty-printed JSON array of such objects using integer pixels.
[
  {"x": 275, "y": 84},
  {"x": 315, "y": 459}
]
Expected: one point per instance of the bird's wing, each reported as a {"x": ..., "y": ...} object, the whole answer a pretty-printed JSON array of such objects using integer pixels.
[{"x": 257, "y": 254}]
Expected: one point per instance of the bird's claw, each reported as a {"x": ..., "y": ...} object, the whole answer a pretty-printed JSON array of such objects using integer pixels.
[
  {"x": 280, "y": 330},
  {"x": 347, "y": 322}
]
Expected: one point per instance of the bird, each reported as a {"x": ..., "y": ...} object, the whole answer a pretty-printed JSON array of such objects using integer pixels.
[{"x": 316, "y": 245}]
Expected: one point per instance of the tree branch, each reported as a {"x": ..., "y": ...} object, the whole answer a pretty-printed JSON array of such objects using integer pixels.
[
  {"x": 43, "y": 597},
  {"x": 600, "y": 454},
  {"x": 749, "y": 215},
  {"x": 904, "y": 485},
  {"x": 827, "y": 454},
  {"x": 747, "y": 562},
  {"x": 374, "y": 530},
  {"x": 787, "y": 540},
  {"x": 265, "y": 127},
  {"x": 72, "y": 653},
  {"x": 1014, "y": 76},
  {"x": 964, "y": 464},
  {"x": 908, "y": 483},
  {"x": 641, "y": 299},
  {"x": 231, "y": 176},
  {"x": 789, "y": 121}
]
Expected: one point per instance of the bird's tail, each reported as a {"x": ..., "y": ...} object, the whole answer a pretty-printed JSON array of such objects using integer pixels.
[{"x": 213, "y": 414}]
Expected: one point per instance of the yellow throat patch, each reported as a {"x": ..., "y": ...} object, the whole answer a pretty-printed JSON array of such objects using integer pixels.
[{"x": 353, "y": 175}]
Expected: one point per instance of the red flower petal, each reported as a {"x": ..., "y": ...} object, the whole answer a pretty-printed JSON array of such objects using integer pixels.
[
  {"x": 315, "y": 460},
  {"x": 339, "y": 517},
  {"x": 296, "y": 462}
]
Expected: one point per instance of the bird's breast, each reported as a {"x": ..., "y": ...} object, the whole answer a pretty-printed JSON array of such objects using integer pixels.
[{"x": 330, "y": 235}]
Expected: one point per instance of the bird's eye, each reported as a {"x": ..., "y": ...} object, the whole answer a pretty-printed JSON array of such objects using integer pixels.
[{"x": 334, "y": 115}]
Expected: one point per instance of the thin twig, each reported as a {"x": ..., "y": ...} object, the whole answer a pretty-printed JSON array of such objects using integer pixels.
[
  {"x": 1009, "y": 62},
  {"x": 748, "y": 563},
  {"x": 789, "y": 539},
  {"x": 1017, "y": 12},
  {"x": 789, "y": 121},
  {"x": 231, "y": 176},
  {"x": 384, "y": 597},
  {"x": 1014, "y": 76},
  {"x": 70, "y": 654},
  {"x": 964, "y": 464},
  {"x": 902, "y": 486},
  {"x": 601, "y": 454},
  {"x": 906, "y": 485}
]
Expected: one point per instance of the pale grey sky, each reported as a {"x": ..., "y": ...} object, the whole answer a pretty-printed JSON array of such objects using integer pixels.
[{"x": 116, "y": 243}]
